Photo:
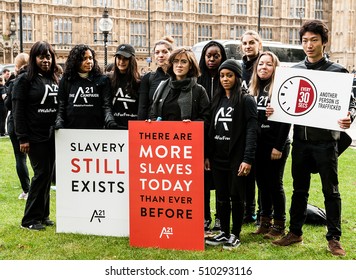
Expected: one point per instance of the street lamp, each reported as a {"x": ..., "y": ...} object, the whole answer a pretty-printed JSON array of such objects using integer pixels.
[
  {"x": 105, "y": 26},
  {"x": 259, "y": 17},
  {"x": 21, "y": 29}
]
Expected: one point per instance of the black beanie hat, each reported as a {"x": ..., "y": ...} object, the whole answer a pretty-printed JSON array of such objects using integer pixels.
[{"x": 232, "y": 65}]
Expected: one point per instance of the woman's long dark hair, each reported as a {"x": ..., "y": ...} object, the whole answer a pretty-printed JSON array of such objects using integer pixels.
[
  {"x": 132, "y": 77},
  {"x": 41, "y": 48},
  {"x": 75, "y": 59},
  {"x": 236, "y": 91}
]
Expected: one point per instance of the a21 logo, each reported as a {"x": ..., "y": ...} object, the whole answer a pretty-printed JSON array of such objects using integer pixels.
[
  {"x": 167, "y": 231},
  {"x": 297, "y": 96},
  {"x": 98, "y": 214}
]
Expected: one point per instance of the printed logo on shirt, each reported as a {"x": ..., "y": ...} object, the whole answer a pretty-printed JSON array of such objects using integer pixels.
[
  {"x": 244, "y": 84},
  {"x": 224, "y": 117},
  {"x": 121, "y": 97},
  {"x": 84, "y": 93},
  {"x": 50, "y": 91},
  {"x": 262, "y": 102}
]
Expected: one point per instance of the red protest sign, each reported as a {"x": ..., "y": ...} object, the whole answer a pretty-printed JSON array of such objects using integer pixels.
[{"x": 166, "y": 185}]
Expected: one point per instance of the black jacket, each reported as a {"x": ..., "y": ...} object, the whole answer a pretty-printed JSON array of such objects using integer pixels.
[
  {"x": 148, "y": 86},
  {"x": 270, "y": 134},
  {"x": 193, "y": 101},
  {"x": 247, "y": 69},
  {"x": 242, "y": 146}
]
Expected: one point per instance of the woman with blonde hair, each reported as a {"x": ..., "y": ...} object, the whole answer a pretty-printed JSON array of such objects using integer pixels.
[
  {"x": 251, "y": 46},
  {"x": 273, "y": 147},
  {"x": 162, "y": 50}
]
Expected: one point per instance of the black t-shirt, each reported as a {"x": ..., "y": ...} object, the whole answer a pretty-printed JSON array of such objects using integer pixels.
[
  {"x": 84, "y": 109},
  {"x": 170, "y": 108},
  {"x": 222, "y": 123},
  {"x": 125, "y": 103}
]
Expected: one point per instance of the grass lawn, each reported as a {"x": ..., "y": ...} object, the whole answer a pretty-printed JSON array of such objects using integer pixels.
[{"x": 20, "y": 244}]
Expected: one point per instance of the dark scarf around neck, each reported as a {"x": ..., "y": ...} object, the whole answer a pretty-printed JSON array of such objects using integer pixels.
[{"x": 185, "y": 99}]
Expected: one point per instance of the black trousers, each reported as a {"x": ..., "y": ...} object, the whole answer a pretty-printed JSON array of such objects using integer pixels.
[
  {"x": 21, "y": 164},
  {"x": 315, "y": 157},
  {"x": 208, "y": 187},
  {"x": 3, "y": 115},
  {"x": 250, "y": 208},
  {"x": 269, "y": 176},
  {"x": 42, "y": 156},
  {"x": 230, "y": 192}
]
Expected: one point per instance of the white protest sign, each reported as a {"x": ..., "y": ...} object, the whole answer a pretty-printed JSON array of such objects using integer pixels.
[
  {"x": 311, "y": 98},
  {"x": 92, "y": 172}
]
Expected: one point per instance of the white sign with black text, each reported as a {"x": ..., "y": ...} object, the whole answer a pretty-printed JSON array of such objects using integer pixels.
[
  {"x": 311, "y": 98},
  {"x": 92, "y": 195}
]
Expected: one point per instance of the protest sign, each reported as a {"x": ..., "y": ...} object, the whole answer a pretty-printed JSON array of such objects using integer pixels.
[
  {"x": 166, "y": 185},
  {"x": 92, "y": 182},
  {"x": 310, "y": 98}
]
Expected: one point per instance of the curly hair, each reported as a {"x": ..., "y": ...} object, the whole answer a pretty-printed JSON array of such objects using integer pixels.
[{"x": 75, "y": 59}]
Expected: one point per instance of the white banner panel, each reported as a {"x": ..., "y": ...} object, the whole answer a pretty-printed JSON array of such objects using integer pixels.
[
  {"x": 310, "y": 98},
  {"x": 92, "y": 182}
]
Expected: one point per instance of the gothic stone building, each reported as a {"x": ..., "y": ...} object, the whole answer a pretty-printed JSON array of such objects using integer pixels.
[{"x": 64, "y": 23}]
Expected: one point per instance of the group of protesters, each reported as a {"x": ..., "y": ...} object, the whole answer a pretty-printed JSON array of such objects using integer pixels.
[{"x": 232, "y": 99}]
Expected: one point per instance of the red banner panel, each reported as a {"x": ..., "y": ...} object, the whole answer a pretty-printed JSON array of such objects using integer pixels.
[{"x": 166, "y": 184}]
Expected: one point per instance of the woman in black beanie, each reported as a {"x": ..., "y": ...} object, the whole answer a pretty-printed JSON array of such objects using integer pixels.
[{"x": 232, "y": 145}]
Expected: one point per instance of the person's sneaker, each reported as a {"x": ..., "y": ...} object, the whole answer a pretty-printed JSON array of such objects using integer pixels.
[
  {"x": 217, "y": 225},
  {"x": 208, "y": 234},
  {"x": 334, "y": 246},
  {"x": 232, "y": 243},
  {"x": 248, "y": 219},
  {"x": 34, "y": 227},
  {"x": 23, "y": 195},
  {"x": 217, "y": 239},
  {"x": 288, "y": 239},
  {"x": 207, "y": 225}
]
